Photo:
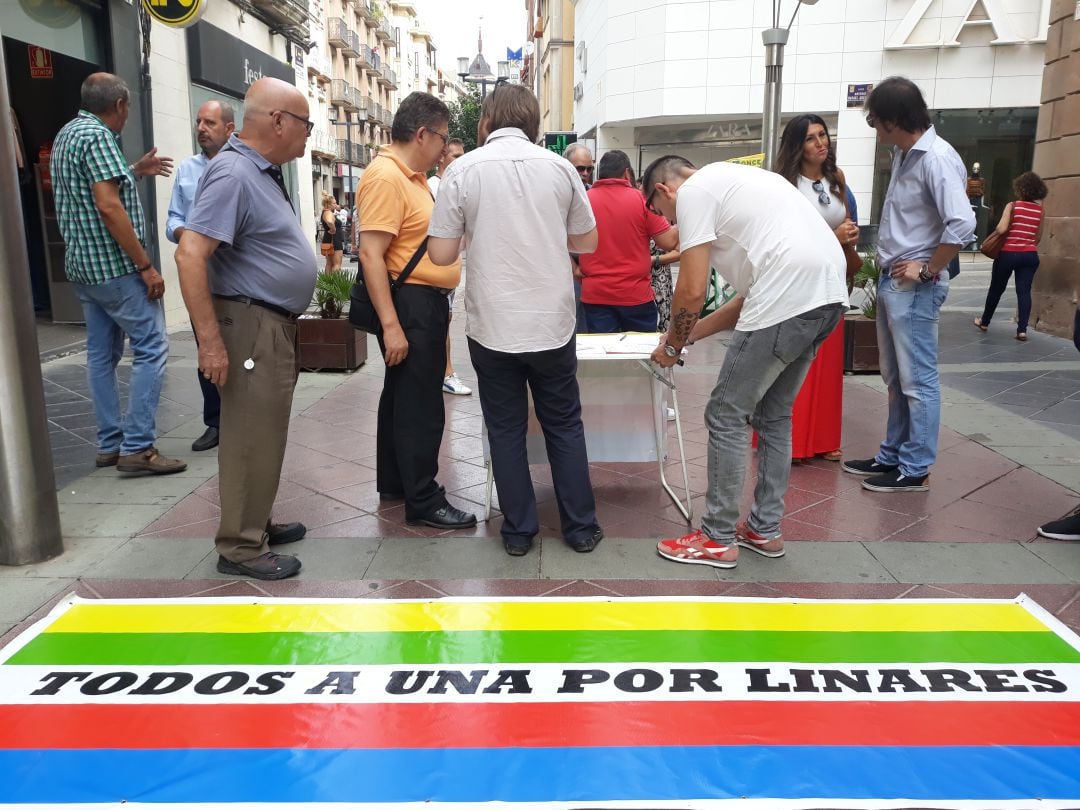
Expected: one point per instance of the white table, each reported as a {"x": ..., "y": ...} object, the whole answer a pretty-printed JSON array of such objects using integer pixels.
[{"x": 624, "y": 401}]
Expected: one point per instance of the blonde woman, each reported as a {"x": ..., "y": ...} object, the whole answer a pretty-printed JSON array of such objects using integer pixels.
[{"x": 333, "y": 240}]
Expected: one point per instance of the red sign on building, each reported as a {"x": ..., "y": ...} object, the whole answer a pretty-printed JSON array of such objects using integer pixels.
[{"x": 41, "y": 66}]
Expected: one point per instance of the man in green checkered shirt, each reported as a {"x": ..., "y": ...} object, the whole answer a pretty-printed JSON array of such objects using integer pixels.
[{"x": 101, "y": 220}]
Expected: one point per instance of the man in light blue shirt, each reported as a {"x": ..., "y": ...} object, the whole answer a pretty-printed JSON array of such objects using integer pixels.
[
  {"x": 925, "y": 220},
  {"x": 214, "y": 124}
]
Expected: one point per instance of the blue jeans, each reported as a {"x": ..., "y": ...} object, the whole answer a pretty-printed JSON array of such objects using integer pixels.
[
  {"x": 600, "y": 318},
  {"x": 761, "y": 375},
  {"x": 1023, "y": 264},
  {"x": 907, "y": 333},
  {"x": 113, "y": 309}
]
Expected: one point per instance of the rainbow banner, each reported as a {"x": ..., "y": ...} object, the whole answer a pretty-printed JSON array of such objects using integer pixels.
[{"x": 575, "y": 703}]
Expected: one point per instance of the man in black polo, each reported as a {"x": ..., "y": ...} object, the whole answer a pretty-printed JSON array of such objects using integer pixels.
[{"x": 243, "y": 228}]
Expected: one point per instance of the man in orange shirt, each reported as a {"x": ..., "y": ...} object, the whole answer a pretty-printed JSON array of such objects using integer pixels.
[
  {"x": 394, "y": 208},
  {"x": 616, "y": 284}
]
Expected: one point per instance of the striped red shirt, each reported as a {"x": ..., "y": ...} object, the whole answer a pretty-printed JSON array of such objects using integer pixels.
[{"x": 1023, "y": 226}]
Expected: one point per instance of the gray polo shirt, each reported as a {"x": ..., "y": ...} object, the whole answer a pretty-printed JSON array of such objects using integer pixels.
[{"x": 263, "y": 252}]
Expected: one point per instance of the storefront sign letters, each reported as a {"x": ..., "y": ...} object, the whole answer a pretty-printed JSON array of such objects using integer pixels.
[
  {"x": 979, "y": 13},
  {"x": 227, "y": 64},
  {"x": 175, "y": 13},
  {"x": 857, "y": 93},
  {"x": 41, "y": 66}
]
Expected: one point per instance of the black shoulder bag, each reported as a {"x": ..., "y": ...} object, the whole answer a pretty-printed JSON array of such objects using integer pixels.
[{"x": 362, "y": 312}]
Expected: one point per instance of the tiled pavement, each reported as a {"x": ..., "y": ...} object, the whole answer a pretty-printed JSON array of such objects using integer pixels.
[{"x": 1009, "y": 449}]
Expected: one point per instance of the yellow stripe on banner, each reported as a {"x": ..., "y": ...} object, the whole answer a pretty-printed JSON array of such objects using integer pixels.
[{"x": 376, "y": 616}]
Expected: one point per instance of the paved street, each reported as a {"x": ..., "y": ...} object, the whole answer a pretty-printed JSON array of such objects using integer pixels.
[{"x": 1009, "y": 450}]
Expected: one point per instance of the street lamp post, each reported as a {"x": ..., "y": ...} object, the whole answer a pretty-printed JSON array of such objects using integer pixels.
[{"x": 775, "y": 39}]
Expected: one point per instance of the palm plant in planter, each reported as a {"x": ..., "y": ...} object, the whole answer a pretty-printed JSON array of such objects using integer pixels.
[
  {"x": 328, "y": 341},
  {"x": 860, "y": 328}
]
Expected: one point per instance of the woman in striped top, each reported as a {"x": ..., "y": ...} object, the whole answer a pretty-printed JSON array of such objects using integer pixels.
[{"x": 1021, "y": 224}]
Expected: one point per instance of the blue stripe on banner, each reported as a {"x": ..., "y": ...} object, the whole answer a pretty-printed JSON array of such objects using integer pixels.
[{"x": 539, "y": 775}]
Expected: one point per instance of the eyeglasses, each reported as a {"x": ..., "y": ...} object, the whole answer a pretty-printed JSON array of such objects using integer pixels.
[
  {"x": 870, "y": 120},
  {"x": 445, "y": 138},
  {"x": 823, "y": 196},
  {"x": 585, "y": 169},
  {"x": 649, "y": 205},
  {"x": 307, "y": 122}
]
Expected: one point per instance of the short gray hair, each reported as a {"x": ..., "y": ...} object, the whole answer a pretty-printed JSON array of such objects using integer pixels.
[
  {"x": 101, "y": 91},
  {"x": 568, "y": 152},
  {"x": 228, "y": 114}
]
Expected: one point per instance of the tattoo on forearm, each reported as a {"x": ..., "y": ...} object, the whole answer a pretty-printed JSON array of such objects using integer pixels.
[{"x": 681, "y": 324}]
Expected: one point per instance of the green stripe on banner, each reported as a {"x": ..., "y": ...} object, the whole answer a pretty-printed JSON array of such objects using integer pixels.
[{"x": 480, "y": 647}]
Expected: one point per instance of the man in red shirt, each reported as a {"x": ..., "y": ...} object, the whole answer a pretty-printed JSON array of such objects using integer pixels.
[{"x": 615, "y": 286}]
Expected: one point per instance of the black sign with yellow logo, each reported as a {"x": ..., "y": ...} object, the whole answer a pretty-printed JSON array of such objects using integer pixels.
[{"x": 175, "y": 13}]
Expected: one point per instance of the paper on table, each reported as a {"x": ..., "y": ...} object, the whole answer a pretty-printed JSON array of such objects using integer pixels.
[{"x": 632, "y": 343}]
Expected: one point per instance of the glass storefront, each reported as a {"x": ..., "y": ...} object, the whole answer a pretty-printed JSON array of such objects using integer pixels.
[{"x": 1001, "y": 141}]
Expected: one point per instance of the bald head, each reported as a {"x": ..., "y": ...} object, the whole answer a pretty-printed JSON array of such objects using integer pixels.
[
  {"x": 107, "y": 97},
  {"x": 276, "y": 120}
]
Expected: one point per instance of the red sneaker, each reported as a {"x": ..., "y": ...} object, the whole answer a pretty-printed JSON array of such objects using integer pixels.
[
  {"x": 697, "y": 548},
  {"x": 765, "y": 546}
]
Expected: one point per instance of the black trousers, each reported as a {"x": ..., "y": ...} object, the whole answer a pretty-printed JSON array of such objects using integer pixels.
[
  {"x": 551, "y": 376},
  {"x": 411, "y": 410},
  {"x": 211, "y": 398}
]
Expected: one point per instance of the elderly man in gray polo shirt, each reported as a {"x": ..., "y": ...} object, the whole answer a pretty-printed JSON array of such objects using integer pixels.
[
  {"x": 520, "y": 306},
  {"x": 243, "y": 230}
]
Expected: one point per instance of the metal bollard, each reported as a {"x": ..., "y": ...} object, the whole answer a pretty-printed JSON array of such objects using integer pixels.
[{"x": 29, "y": 516}]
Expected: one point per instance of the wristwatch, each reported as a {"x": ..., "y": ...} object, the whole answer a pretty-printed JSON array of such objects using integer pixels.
[
  {"x": 924, "y": 273},
  {"x": 670, "y": 350}
]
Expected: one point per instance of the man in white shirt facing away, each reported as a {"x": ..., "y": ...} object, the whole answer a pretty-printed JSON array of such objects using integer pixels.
[{"x": 519, "y": 299}]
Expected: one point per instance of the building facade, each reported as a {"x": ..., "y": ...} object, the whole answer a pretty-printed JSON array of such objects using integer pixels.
[
  {"x": 688, "y": 78},
  {"x": 1057, "y": 159},
  {"x": 549, "y": 68},
  {"x": 51, "y": 47}
]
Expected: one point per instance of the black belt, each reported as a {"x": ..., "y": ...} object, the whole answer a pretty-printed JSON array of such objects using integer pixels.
[{"x": 243, "y": 299}]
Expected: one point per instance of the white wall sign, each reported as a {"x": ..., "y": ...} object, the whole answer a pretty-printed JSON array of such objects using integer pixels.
[{"x": 979, "y": 13}]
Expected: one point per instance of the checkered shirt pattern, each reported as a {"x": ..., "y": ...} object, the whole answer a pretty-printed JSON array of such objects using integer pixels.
[{"x": 85, "y": 152}]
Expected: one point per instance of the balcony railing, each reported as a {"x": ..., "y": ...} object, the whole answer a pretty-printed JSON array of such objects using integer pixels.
[
  {"x": 373, "y": 111},
  {"x": 322, "y": 144},
  {"x": 387, "y": 117},
  {"x": 387, "y": 77},
  {"x": 383, "y": 31},
  {"x": 352, "y": 45},
  {"x": 341, "y": 93},
  {"x": 367, "y": 10},
  {"x": 337, "y": 32},
  {"x": 377, "y": 109},
  {"x": 364, "y": 58},
  {"x": 287, "y": 12},
  {"x": 376, "y": 61},
  {"x": 362, "y": 103}
]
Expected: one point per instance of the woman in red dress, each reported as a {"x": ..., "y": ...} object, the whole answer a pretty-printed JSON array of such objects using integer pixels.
[{"x": 807, "y": 160}]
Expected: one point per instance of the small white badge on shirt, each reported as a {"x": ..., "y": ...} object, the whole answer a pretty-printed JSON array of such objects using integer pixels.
[{"x": 249, "y": 364}]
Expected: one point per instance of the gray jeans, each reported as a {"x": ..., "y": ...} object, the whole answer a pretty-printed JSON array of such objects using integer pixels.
[{"x": 759, "y": 380}]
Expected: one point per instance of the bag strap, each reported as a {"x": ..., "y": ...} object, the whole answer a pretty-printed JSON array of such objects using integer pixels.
[{"x": 415, "y": 260}]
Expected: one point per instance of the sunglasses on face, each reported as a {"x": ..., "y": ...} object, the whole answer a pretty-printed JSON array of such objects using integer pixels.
[
  {"x": 307, "y": 122},
  {"x": 585, "y": 169},
  {"x": 870, "y": 120},
  {"x": 823, "y": 196}
]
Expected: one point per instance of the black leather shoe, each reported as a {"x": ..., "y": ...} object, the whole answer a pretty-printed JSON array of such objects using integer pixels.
[
  {"x": 207, "y": 441},
  {"x": 517, "y": 546},
  {"x": 448, "y": 517},
  {"x": 588, "y": 544},
  {"x": 281, "y": 533},
  {"x": 265, "y": 566}
]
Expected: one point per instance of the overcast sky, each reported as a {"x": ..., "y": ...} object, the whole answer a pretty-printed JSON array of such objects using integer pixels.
[{"x": 453, "y": 25}]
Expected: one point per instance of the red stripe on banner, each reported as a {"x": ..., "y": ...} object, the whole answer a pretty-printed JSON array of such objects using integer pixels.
[{"x": 538, "y": 725}]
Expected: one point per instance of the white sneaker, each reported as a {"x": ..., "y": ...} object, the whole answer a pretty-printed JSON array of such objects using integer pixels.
[{"x": 452, "y": 385}]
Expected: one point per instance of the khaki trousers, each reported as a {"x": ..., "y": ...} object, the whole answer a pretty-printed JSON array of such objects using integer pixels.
[{"x": 255, "y": 407}]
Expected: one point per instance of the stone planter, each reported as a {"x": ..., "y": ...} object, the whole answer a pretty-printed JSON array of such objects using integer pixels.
[
  {"x": 331, "y": 345},
  {"x": 860, "y": 344}
]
